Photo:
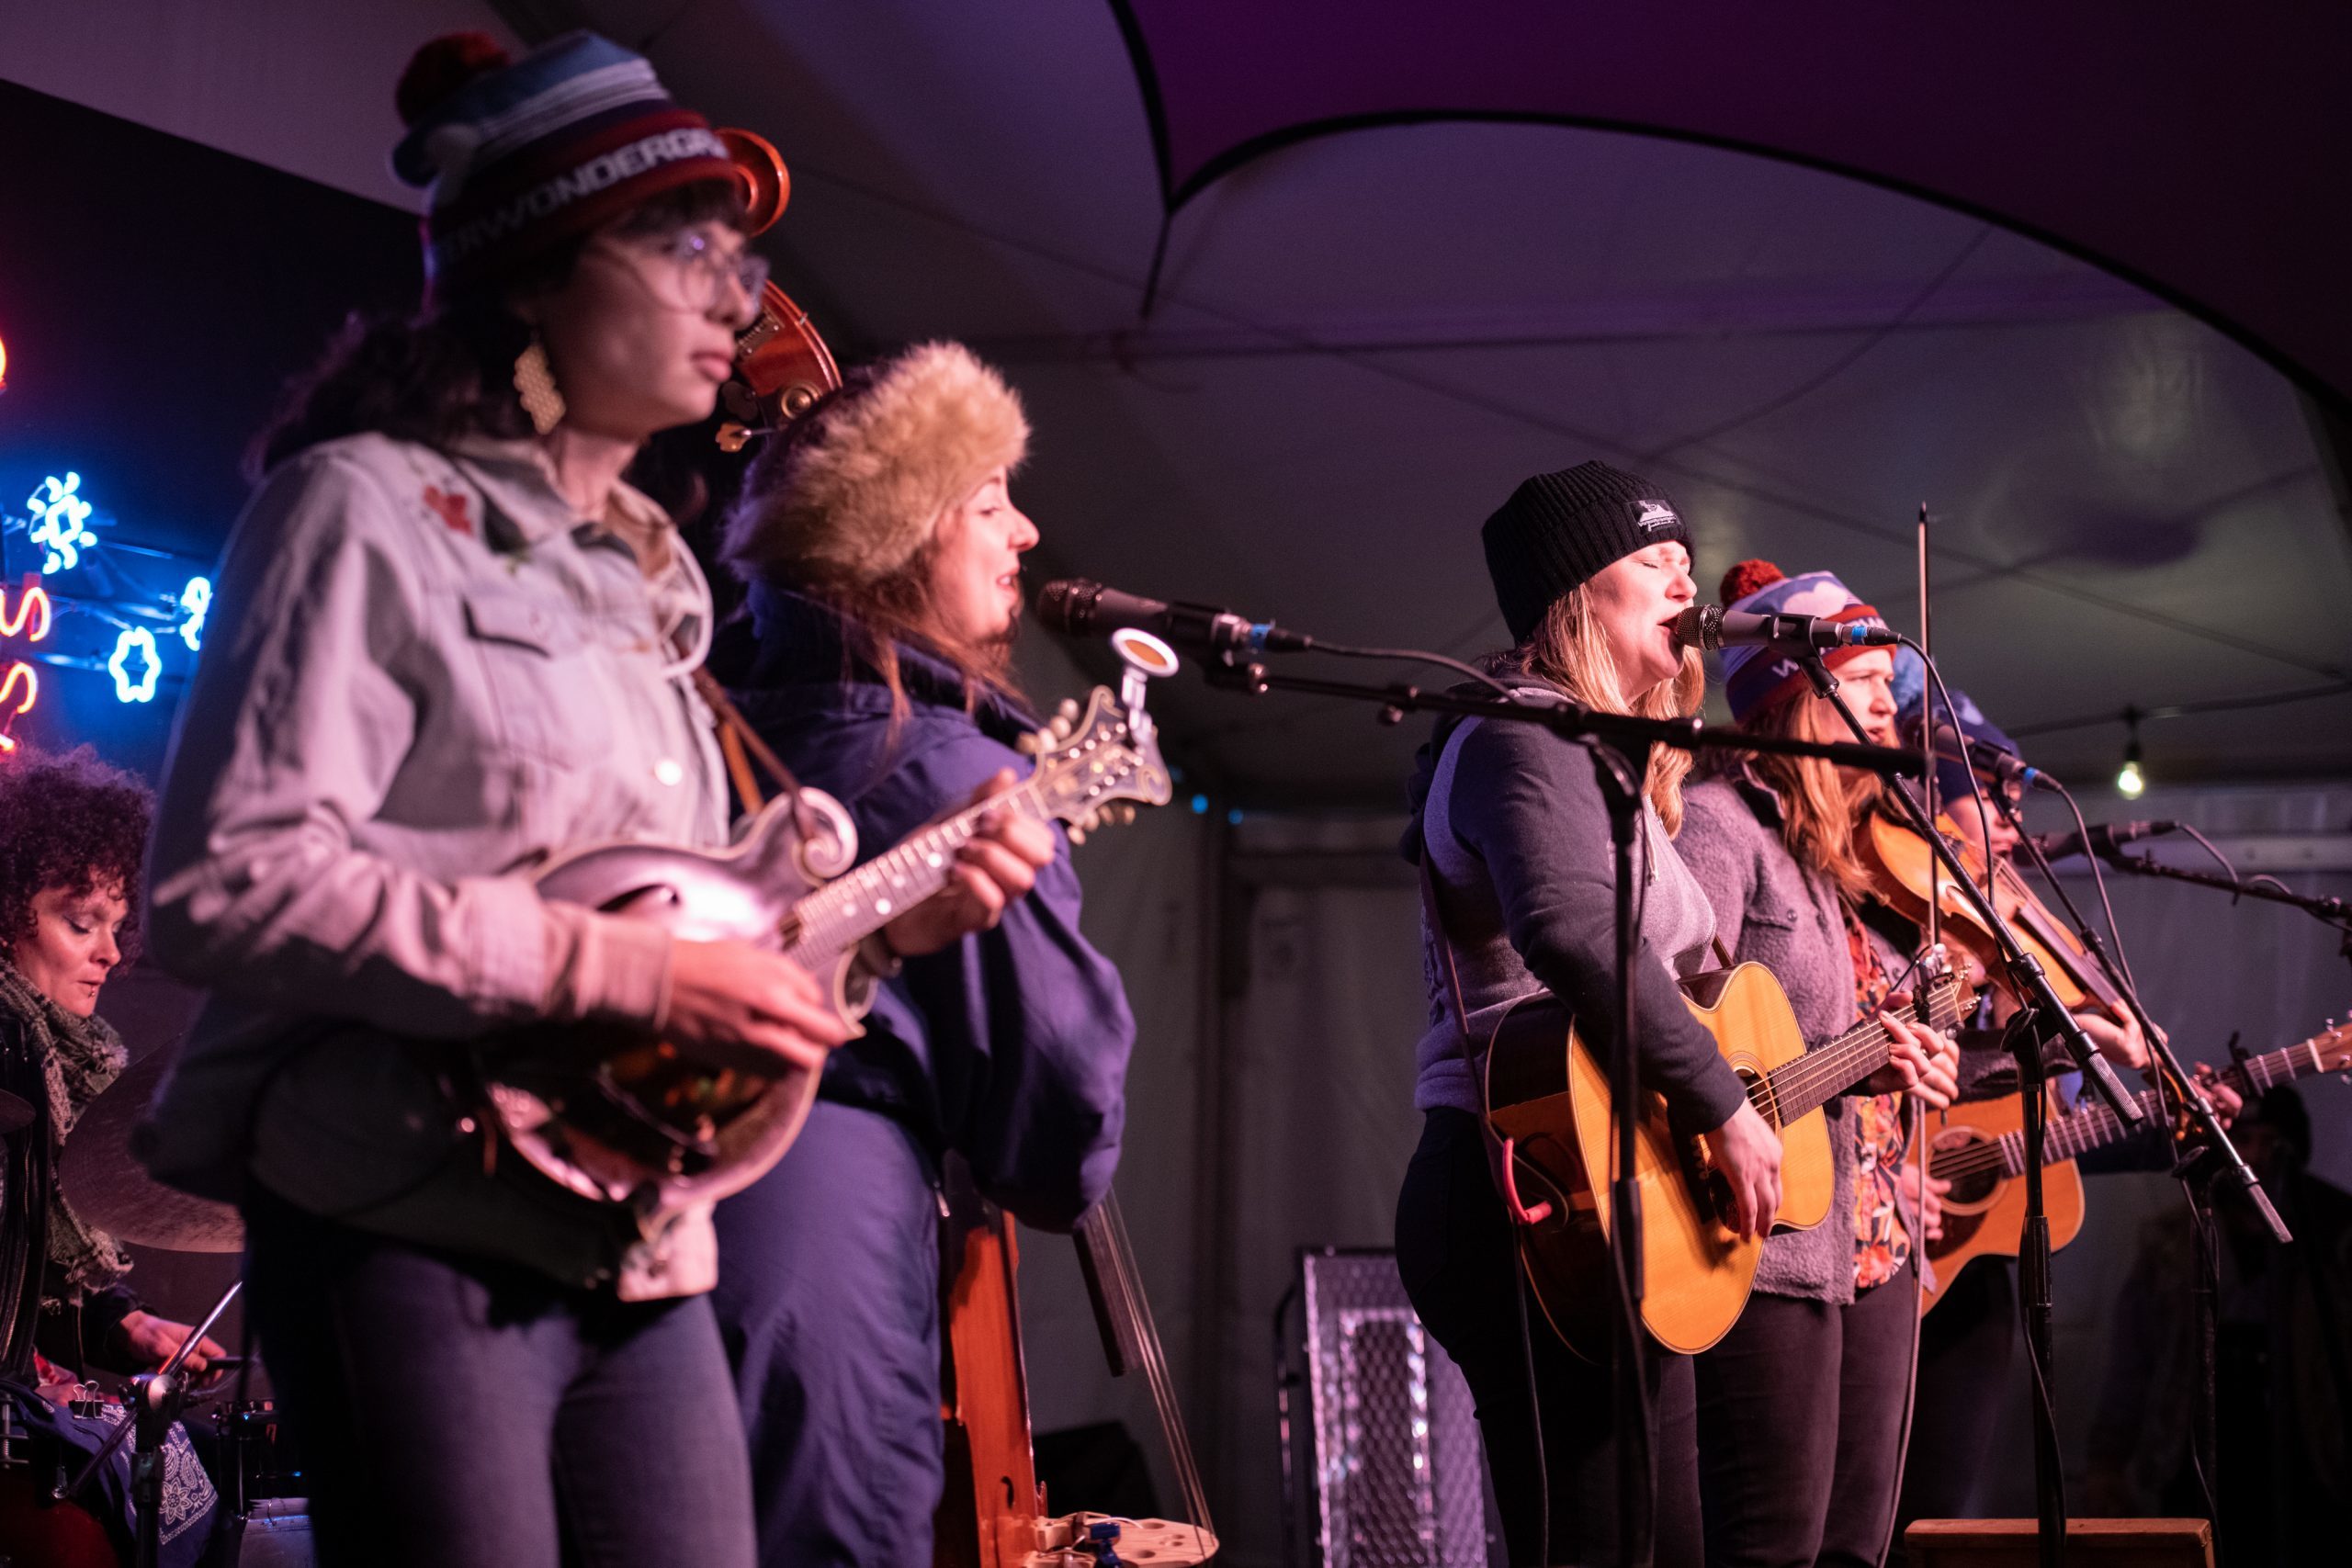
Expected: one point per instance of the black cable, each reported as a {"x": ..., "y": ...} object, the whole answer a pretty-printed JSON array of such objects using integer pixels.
[
  {"x": 1420, "y": 655},
  {"x": 1534, "y": 1395},
  {"x": 1976, "y": 788}
]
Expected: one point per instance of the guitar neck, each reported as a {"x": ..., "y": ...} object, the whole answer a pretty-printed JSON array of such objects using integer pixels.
[
  {"x": 856, "y": 904},
  {"x": 2096, "y": 1126},
  {"x": 1826, "y": 1071}
]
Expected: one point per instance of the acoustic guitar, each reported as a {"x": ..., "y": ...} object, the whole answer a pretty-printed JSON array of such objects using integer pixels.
[
  {"x": 1979, "y": 1147},
  {"x": 626, "y": 1118},
  {"x": 1547, "y": 1096}
]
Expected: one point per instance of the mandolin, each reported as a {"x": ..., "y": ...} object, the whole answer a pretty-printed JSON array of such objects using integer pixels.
[
  {"x": 624, "y": 1118},
  {"x": 1547, "y": 1097},
  {"x": 1979, "y": 1147}
]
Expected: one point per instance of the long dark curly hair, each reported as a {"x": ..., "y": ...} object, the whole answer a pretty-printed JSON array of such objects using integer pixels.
[
  {"x": 448, "y": 370},
  {"x": 72, "y": 821}
]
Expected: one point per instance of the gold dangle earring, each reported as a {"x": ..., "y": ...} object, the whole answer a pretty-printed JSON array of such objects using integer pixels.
[{"x": 535, "y": 385}]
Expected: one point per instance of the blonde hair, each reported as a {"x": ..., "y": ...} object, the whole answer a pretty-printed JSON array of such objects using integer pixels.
[
  {"x": 1822, "y": 806},
  {"x": 1569, "y": 651}
]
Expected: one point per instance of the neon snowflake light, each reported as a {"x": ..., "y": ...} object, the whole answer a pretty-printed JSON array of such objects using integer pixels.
[
  {"x": 196, "y": 602},
  {"x": 58, "y": 522},
  {"x": 139, "y": 642}
]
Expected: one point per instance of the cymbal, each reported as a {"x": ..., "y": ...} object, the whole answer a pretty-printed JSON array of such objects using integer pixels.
[
  {"x": 15, "y": 1114},
  {"x": 110, "y": 1188}
]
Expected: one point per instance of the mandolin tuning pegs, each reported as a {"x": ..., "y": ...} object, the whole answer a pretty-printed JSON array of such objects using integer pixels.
[
  {"x": 1120, "y": 813},
  {"x": 1059, "y": 728},
  {"x": 1068, "y": 712},
  {"x": 1077, "y": 834},
  {"x": 1029, "y": 744}
]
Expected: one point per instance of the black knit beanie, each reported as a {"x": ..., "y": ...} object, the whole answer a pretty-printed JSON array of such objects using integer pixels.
[{"x": 1557, "y": 530}]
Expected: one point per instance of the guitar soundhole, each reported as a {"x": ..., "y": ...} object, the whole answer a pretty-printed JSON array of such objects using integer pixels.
[{"x": 1972, "y": 1166}]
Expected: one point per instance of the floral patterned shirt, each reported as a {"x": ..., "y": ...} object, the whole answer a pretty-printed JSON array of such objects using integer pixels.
[{"x": 1882, "y": 1245}]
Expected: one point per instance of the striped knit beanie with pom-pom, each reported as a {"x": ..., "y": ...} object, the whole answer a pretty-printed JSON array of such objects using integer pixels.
[
  {"x": 1756, "y": 677},
  {"x": 518, "y": 154}
]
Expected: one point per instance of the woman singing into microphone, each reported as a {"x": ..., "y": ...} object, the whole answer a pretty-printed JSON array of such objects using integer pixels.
[{"x": 1591, "y": 566}]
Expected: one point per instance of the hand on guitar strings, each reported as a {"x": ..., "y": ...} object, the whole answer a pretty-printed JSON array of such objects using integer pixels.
[
  {"x": 1745, "y": 1155},
  {"x": 2226, "y": 1101},
  {"x": 1921, "y": 1061},
  {"x": 998, "y": 865},
  {"x": 731, "y": 1005},
  {"x": 1931, "y": 1216}
]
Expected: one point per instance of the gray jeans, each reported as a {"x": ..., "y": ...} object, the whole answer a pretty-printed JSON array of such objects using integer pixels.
[{"x": 476, "y": 1414}]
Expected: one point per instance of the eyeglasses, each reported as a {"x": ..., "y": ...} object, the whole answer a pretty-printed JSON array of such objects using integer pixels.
[{"x": 693, "y": 273}]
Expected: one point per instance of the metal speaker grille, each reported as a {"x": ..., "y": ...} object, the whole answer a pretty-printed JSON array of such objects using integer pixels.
[{"x": 1390, "y": 1436}]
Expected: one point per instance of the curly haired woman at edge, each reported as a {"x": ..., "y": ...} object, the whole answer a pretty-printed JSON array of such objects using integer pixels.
[{"x": 72, "y": 834}]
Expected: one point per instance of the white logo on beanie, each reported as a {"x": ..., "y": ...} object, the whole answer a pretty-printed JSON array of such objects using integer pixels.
[{"x": 1656, "y": 515}]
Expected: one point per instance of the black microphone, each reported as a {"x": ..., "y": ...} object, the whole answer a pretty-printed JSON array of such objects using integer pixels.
[
  {"x": 1711, "y": 627},
  {"x": 1085, "y": 608},
  {"x": 2103, "y": 840},
  {"x": 1996, "y": 761}
]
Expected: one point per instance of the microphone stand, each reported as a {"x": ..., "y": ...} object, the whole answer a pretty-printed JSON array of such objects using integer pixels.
[
  {"x": 2198, "y": 1171},
  {"x": 1620, "y": 745},
  {"x": 2042, "y": 1009},
  {"x": 2165, "y": 1068},
  {"x": 2336, "y": 912}
]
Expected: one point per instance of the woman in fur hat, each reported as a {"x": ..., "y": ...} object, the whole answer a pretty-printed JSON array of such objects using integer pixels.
[
  {"x": 449, "y": 641},
  {"x": 882, "y": 552}
]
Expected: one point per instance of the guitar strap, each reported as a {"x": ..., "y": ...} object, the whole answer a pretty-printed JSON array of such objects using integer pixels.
[
  {"x": 1500, "y": 1162},
  {"x": 740, "y": 745}
]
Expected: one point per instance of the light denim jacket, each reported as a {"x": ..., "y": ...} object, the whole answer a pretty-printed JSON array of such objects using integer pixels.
[{"x": 423, "y": 674}]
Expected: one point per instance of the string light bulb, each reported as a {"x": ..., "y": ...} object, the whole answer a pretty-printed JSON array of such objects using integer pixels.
[{"x": 2129, "y": 782}]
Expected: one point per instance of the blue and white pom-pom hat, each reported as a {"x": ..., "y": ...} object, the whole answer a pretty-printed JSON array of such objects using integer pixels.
[
  {"x": 1756, "y": 677},
  {"x": 518, "y": 154}
]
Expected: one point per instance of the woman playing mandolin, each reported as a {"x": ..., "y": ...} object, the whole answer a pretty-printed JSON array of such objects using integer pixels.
[
  {"x": 1591, "y": 566},
  {"x": 448, "y": 643}
]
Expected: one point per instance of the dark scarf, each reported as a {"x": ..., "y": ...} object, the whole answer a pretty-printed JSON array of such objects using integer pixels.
[{"x": 79, "y": 1057}]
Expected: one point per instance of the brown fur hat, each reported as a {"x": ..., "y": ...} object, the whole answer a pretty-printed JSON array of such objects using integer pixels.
[{"x": 850, "y": 493}]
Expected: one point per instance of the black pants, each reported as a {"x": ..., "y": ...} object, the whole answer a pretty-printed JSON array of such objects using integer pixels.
[
  {"x": 1801, "y": 1429},
  {"x": 468, "y": 1414},
  {"x": 1967, "y": 1350},
  {"x": 1456, "y": 1253}
]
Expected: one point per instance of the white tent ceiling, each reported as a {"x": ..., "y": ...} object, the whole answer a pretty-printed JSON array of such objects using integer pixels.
[{"x": 1362, "y": 342}]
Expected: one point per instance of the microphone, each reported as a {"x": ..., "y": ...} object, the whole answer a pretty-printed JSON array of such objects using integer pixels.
[
  {"x": 1081, "y": 608},
  {"x": 1711, "y": 627},
  {"x": 1954, "y": 746},
  {"x": 2103, "y": 840}
]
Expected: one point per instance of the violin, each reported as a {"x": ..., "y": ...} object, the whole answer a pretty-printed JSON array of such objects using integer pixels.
[
  {"x": 1903, "y": 866},
  {"x": 782, "y": 366}
]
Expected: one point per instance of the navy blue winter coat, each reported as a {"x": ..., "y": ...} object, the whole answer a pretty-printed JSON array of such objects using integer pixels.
[{"x": 1010, "y": 1047}]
